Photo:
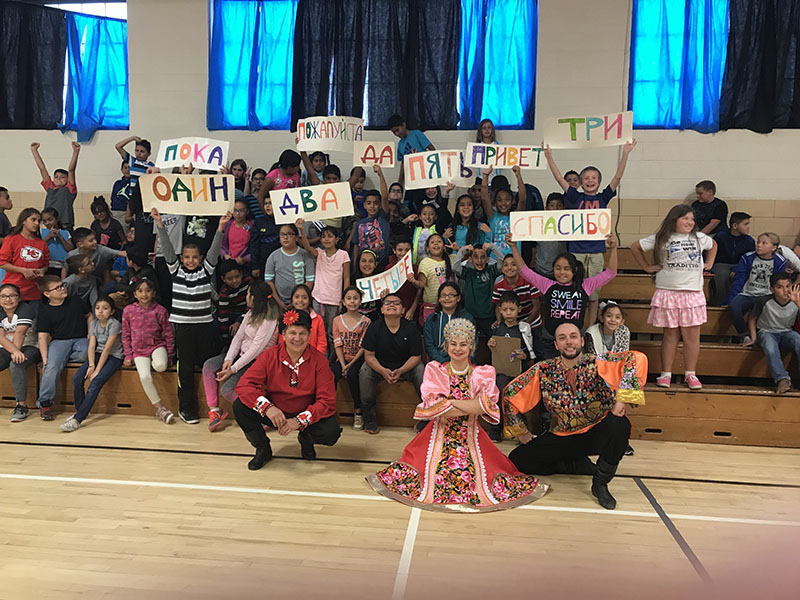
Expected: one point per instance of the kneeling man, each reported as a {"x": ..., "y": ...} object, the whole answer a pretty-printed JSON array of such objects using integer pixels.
[
  {"x": 586, "y": 395},
  {"x": 289, "y": 386}
]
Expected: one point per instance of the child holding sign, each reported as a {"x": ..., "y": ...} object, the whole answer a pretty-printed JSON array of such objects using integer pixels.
[
  {"x": 434, "y": 270},
  {"x": 590, "y": 253},
  {"x": 284, "y": 174},
  {"x": 411, "y": 140},
  {"x": 367, "y": 266},
  {"x": 499, "y": 221},
  {"x": 372, "y": 232}
]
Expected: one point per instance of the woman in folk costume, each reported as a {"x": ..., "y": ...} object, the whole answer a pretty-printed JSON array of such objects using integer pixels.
[{"x": 452, "y": 464}]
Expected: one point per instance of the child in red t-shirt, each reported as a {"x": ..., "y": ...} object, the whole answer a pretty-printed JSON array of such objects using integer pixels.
[{"x": 25, "y": 256}]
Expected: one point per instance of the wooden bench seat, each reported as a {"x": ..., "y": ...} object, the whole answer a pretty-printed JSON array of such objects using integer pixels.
[
  {"x": 638, "y": 287},
  {"x": 719, "y": 414},
  {"x": 719, "y": 320},
  {"x": 626, "y": 263},
  {"x": 395, "y": 405},
  {"x": 719, "y": 360}
]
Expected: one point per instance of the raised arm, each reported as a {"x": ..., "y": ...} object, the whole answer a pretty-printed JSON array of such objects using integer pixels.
[
  {"x": 166, "y": 244},
  {"x": 312, "y": 174},
  {"x": 120, "y": 145},
  {"x": 357, "y": 173},
  {"x": 39, "y": 162},
  {"x": 487, "y": 204},
  {"x": 548, "y": 154},
  {"x": 613, "y": 259},
  {"x": 384, "y": 188},
  {"x": 73, "y": 163},
  {"x": 300, "y": 224},
  {"x": 623, "y": 162}
]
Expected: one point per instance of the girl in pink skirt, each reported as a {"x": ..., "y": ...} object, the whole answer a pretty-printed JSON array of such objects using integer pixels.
[{"x": 679, "y": 304}]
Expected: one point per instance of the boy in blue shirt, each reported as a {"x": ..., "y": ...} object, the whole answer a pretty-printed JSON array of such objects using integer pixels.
[
  {"x": 411, "y": 140},
  {"x": 138, "y": 163},
  {"x": 590, "y": 252},
  {"x": 732, "y": 245}
]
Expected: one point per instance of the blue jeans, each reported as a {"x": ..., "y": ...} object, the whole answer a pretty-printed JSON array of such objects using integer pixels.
[
  {"x": 59, "y": 353},
  {"x": 771, "y": 343},
  {"x": 739, "y": 305},
  {"x": 85, "y": 401}
]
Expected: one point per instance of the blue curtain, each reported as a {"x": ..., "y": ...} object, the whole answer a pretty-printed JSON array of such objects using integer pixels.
[
  {"x": 678, "y": 52},
  {"x": 97, "y": 75},
  {"x": 250, "y": 64},
  {"x": 497, "y": 64}
]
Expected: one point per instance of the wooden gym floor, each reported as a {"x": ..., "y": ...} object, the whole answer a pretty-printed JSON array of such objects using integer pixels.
[{"x": 130, "y": 508}]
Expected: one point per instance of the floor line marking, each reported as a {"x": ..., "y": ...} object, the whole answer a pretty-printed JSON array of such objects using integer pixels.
[
  {"x": 399, "y": 591},
  {"x": 372, "y": 497},
  {"x": 679, "y": 539}
]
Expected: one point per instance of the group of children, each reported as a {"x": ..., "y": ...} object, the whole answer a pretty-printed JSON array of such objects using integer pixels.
[{"x": 156, "y": 290}]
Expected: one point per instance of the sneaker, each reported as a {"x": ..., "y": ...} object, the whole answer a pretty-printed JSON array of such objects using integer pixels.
[
  {"x": 20, "y": 413},
  {"x": 46, "y": 413},
  {"x": 746, "y": 340},
  {"x": 629, "y": 451},
  {"x": 664, "y": 381},
  {"x": 358, "y": 422},
  {"x": 784, "y": 385},
  {"x": 188, "y": 419},
  {"x": 164, "y": 414},
  {"x": 70, "y": 424},
  {"x": 215, "y": 418},
  {"x": 693, "y": 382},
  {"x": 371, "y": 428}
]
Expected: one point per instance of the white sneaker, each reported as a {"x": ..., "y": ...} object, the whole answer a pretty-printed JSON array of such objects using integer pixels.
[
  {"x": 70, "y": 425},
  {"x": 358, "y": 422},
  {"x": 746, "y": 340}
]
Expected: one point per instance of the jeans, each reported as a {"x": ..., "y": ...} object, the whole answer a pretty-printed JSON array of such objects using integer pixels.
[
  {"x": 368, "y": 381},
  {"x": 353, "y": 373},
  {"x": 85, "y": 402},
  {"x": 721, "y": 285},
  {"x": 228, "y": 387},
  {"x": 19, "y": 377},
  {"x": 771, "y": 343},
  {"x": 59, "y": 353},
  {"x": 739, "y": 305}
]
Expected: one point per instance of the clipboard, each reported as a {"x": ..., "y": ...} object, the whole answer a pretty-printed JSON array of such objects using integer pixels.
[{"x": 501, "y": 356}]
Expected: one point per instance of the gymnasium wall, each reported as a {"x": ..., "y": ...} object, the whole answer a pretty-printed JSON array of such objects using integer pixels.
[{"x": 582, "y": 66}]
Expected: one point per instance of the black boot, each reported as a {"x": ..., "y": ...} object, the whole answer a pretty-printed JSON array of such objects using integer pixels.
[
  {"x": 263, "y": 452},
  {"x": 306, "y": 446},
  {"x": 603, "y": 475}
]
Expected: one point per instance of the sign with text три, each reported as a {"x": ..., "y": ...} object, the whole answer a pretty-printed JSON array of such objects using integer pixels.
[{"x": 588, "y": 131}]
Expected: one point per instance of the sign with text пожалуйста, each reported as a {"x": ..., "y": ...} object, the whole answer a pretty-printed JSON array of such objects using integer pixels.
[{"x": 329, "y": 133}]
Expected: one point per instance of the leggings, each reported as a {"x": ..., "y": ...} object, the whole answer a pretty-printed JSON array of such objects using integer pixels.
[
  {"x": 158, "y": 361},
  {"x": 228, "y": 387}
]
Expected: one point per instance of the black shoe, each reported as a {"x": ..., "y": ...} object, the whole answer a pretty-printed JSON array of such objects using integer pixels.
[
  {"x": 262, "y": 457},
  {"x": 496, "y": 433},
  {"x": 629, "y": 451},
  {"x": 191, "y": 419},
  {"x": 306, "y": 446},
  {"x": 603, "y": 475}
]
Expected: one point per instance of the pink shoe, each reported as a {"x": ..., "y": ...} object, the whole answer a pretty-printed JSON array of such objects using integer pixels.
[
  {"x": 693, "y": 382},
  {"x": 664, "y": 381}
]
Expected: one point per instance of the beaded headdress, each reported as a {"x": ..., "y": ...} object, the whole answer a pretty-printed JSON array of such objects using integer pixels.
[{"x": 459, "y": 328}]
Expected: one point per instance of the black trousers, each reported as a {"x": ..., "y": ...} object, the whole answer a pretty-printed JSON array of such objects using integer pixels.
[
  {"x": 195, "y": 344},
  {"x": 325, "y": 431},
  {"x": 608, "y": 438}
]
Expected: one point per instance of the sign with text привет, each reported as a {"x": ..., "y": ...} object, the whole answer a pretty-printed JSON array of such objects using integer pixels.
[
  {"x": 391, "y": 280},
  {"x": 587, "y": 131},
  {"x": 313, "y": 203},
  {"x": 202, "y": 153},
  {"x": 437, "y": 167},
  {"x": 483, "y": 156},
  {"x": 329, "y": 133},
  {"x": 187, "y": 194},
  {"x": 560, "y": 225},
  {"x": 366, "y": 154}
]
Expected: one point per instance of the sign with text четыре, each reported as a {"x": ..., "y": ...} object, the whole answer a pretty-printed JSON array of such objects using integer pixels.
[
  {"x": 587, "y": 131},
  {"x": 483, "y": 156},
  {"x": 187, "y": 194},
  {"x": 329, "y": 133},
  {"x": 202, "y": 153},
  {"x": 391, "y": 280},
  {"x": 437, "y": 167},
  {"x": 313, "y": 203},
  {"x": 366, "y": 154},
  {"x": 560, "y": 225}
]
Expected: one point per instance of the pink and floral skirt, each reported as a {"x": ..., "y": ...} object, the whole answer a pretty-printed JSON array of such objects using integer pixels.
[{"x": 673, "y": 308}]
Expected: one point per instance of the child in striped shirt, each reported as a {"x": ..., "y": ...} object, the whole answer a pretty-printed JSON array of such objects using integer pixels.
[
  {"x": 196, "y": 337},
  {"x": 232, "y": 299}
]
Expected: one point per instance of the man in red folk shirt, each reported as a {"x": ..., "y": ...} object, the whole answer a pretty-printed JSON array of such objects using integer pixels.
[{"x": 290, "y": 387}]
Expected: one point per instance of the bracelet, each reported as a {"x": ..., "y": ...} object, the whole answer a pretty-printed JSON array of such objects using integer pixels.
[{"x": 262, "y": 405}]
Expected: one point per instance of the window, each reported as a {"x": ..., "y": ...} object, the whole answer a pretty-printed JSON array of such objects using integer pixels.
[{"x": 677, "y": 60}]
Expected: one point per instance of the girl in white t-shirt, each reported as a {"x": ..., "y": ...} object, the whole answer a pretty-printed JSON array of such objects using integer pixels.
[{"x": 679, "y": 304}]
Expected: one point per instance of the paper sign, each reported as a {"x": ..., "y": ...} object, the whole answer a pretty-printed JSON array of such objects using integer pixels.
[
  {"x": 483, "y": 156},
  {"x": 560, "y": 225},
  {"x": 201, "y": 152},
  {"x": 589, "y": 131},
  {"x": 187, "y": 194},
  {"x": 312, "y": 203},
  {"x": 391, "y": 280},
  {"x": 366, "y": 154},
  {"x": 502, "y": 353},
  {"x": 428, "y": 169},
  {"x": 329, "y": 133}
]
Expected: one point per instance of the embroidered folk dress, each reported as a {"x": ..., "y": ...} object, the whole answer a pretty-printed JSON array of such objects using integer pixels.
[{"x": 452, "y": 465}]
